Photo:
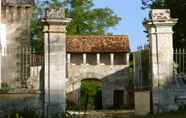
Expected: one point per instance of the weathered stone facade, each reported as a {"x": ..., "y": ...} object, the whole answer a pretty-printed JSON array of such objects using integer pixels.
[
  {"x": 92, "y": 61},
  {"x": 20, "y": 87},
  {"x": 113, "y": 78},
  {"x": 159, "y": 28},
  {"x": 16, "y": 16},
  {"x": 54, "y": 28},
  {"x": 48, "y": 93}
]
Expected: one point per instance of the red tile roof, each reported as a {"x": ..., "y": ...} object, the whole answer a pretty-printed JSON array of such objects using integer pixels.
[{"x": 97, "y": 44}]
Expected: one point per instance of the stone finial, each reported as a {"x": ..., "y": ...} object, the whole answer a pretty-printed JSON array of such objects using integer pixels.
[
  {"x": 55, "y": 13},
  {"x": 160, "y": 17},
  {"x": 160, "y": 14}
]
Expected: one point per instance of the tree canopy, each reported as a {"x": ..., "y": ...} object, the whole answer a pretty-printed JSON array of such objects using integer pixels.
[
  {"x": 89, "y": 89},
  {"x": 86, "y": 20},
  {"x": 89, "y": 20},
  {"x": 178, "y": 10}
]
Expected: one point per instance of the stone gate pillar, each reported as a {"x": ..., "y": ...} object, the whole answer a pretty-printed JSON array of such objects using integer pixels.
[
  {"x": 160, "y": 34},
  {"x": 54, "y": 28}
]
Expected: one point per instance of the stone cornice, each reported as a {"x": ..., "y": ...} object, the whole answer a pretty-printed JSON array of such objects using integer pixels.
[
  {"x": 169, "y": 22},
  {"x": 55, "y": 25},
  {"x": 64, "y": 21}
]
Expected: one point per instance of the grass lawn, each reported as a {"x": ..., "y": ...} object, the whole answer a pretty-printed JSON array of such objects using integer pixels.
[{"x": 166, "y": 115}]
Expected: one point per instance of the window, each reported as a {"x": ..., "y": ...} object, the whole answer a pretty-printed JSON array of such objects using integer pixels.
[
  {"x": 120, "y": 59},
  {"x": 76, "y": 59},
  {"x": 105, "y": 59},
  {"x": 92, "y": 59}
]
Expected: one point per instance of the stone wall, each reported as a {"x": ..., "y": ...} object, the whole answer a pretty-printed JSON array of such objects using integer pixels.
[
  {"x": 114, "y": 77},
  {"x": 16, "y": 59},
  {"x": 11, "y": 102},
  {"x": 31, "y": 98},
  {"x": 142, "y": 102},
  {"x": 160, "y": 33},
  {"x": 17, "y": 20}
]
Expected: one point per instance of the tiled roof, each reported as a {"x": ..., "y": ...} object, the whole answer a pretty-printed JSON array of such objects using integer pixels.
[
  {"x": 18, "y": 2},
  {"x": 97, "y": 44}
]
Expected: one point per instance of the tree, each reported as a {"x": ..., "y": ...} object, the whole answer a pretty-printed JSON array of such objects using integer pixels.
[
  {"x": 153, "y": 4},
  {"x": 36, "y": 26},
  {"x": 178, "y": 10},
  {"x": 88, "y": 92},
  {"x": 86, "y": 20}
]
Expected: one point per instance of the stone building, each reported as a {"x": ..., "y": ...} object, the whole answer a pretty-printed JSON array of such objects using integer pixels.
[
  {"x": 15, "y": 64},
  {"x": 16, "y": 17},
  {"x": 73, "y": 58},
  {"x": 99, "y": 58}
]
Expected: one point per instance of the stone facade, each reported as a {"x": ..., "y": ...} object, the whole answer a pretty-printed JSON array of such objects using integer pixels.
[
  {"x": 112, "y": 77},
  {"x": 54, "y": 28},
  {"x": 48, "y": 93},
  {"x": 15, "y": 36},
  {"x": 16, "y": 17},
  {"x": 107, "y": 65},
  {"x": 142, "y": 102},
  {"x": 159, "y": 28}
]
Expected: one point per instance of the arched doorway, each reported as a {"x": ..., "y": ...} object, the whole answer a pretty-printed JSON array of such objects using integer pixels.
[{"x": 91, "y": 94}]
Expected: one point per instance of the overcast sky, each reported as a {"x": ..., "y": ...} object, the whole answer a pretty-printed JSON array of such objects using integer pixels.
[{"x": 132, "y": 17}]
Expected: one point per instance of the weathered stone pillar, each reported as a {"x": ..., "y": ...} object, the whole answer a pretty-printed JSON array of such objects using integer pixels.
[
  {"x": 84, "y": 58},
  {"x": 98, "y": 58},
  {"x": 112, "y": 58},
  {"x": 69, "y": 58},
  {"x": 127, "y": 59},
  {"x": 160, "y": 33},
  {"x": 54, "y": 28}
]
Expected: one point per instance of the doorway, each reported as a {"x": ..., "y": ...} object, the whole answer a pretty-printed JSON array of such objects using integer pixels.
[
  {"x": 91, "y": 94},
  {"x": 118, "y": 99}
]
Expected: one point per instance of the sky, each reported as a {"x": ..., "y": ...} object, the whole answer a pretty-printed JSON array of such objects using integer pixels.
[{"x": 132, "y": 17}]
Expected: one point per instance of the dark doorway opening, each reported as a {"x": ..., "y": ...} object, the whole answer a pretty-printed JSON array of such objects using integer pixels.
[
  {"x": 98, "y": 100},
  {"x": 91, "y": 94},
  {"x": 118, "y": 99}
]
